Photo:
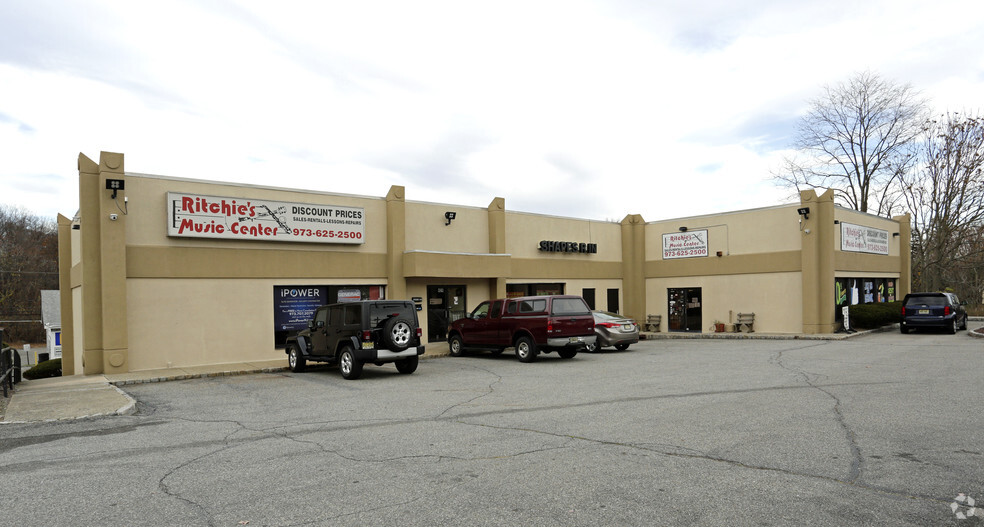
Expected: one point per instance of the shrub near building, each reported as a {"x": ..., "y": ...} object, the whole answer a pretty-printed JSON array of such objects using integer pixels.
[
  {"x": 876, "y": 315},
  {"x": 43, "y": 370}
]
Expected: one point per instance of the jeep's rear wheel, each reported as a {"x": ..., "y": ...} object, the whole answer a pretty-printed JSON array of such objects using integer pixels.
[
  {"x": 407, "y": 365},
  {"x": 351, "y": 367},
  {"x": 295, "y": 361},
  {"x": 953, "y": 327},
  {"x": 525, "y": 349},
  {"x": 455, "y": 346},
  {"x": 397, "y": 333}
]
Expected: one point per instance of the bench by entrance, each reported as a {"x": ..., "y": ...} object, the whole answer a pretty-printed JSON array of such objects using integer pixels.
[{"x": 746, "y": 323}]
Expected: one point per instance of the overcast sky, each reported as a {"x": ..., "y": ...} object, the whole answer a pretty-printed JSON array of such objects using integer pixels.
[{"x": 581, "y": 108}]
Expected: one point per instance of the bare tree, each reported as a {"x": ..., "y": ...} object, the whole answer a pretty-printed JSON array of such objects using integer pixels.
[
  {"x": 28, "y": 264},
  {"x": 856, "y": 140},
  {"x": 945, "y": 196}
]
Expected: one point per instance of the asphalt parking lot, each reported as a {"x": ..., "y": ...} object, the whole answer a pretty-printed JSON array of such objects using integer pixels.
[{"x": 884, "y": 429}]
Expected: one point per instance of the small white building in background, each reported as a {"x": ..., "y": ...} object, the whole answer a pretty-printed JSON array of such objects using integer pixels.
[{"x": 51, "y": 318}]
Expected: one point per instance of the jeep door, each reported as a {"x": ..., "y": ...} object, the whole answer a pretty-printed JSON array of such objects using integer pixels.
[
  {"x": 319, "y": 337},
  {"x": 343, "y": 322}
]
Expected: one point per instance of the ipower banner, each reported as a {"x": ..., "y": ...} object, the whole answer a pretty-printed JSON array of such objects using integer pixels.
[
  {"x": 294, "y": 306},
  {"x": 230, "y": 218}
]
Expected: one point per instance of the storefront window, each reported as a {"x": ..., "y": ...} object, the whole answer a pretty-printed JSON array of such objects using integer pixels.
[
  {"x": 514, "y": 290},
  {"x": 851, "y": 291},
  {"x": 294, "y": 305}
]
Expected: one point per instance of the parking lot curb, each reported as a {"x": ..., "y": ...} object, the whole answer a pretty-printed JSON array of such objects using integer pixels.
[
  {"x": 226, "y": 373},
  {"x": 186, "y": 376},
  {"x": 765, "y": 336}
]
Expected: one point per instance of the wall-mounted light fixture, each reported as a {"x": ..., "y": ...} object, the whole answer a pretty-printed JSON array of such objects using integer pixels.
[
  {"x": 449, "y": 216},
  {"x": 837, "y": 222},
  {"x": 895, "y": 235},
  {"x": 804, "y": 211},
  {"x": 115, "y": 185},
  {"x": 683, "y": 229}
]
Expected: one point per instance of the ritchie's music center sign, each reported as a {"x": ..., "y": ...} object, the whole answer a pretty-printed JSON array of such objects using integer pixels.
[{"x": 200, "y": 216}]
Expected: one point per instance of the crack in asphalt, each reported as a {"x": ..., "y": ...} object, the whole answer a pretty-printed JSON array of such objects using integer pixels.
[
  {"x": 491, "y": 389},
  {"x": 166, "y": 489},
  {"x": 695, "y": 454},
  {"x": 34, "y": 440},
  {"x": 857, "y": 459}
]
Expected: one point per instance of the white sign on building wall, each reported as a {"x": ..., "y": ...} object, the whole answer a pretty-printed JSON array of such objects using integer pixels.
[
  {"x": 860, "y": 239},
  {"x": 200, "y": 216},
  {"x": 690, "y": 244}
]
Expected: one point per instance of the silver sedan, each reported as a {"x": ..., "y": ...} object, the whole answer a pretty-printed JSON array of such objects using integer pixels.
[{"x": 614, "y": 330}]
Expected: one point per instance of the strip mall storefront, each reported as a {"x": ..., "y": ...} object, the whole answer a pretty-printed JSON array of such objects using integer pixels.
[{"x": 161, "y": 272}]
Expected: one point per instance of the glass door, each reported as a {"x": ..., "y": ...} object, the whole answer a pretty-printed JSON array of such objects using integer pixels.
[
  {"x": 684, "y": 309},
  {"x": 445, "y": 304}
]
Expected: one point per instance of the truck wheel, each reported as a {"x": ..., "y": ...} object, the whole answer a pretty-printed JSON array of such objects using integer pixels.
[
  {"x": 455, "y": 346},
  {"x": 397, "y": 333},
  {"x": 351, "y": 368},
  {"x": 593, "y": 347},
  {"x": 407, "y": 365},
  {"x": 525, "y": 349},
  {"x": 903, "y": 329},
  {"x": 567, "y": 354},
  {"x": 621, "y": 347},
  {"x": 295, "y": 360}
]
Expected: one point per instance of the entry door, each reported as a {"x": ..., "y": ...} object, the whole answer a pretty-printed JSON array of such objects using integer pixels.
[
  {"x": 445, "y": 304},
  {"x": 684, "y": 309},
  {"x": 588, "y": 294},
  {"x": 613, "y": 300}
]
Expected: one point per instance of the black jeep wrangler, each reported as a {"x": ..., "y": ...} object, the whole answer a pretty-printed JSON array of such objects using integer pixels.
[{"x": 354, "y": 333}]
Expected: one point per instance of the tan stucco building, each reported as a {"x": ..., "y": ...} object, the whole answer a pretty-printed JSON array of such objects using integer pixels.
[{"x": 161, "y": 272}]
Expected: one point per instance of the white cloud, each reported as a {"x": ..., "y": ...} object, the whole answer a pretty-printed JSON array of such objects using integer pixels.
[{"x": 584, "y": 108}]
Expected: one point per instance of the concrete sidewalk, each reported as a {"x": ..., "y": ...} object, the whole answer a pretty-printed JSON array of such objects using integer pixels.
[{"x": 82, "y": 396}]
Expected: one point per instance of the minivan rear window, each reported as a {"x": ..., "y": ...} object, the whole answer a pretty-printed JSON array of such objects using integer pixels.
[
  {"x": 926, "y": 301},
  {"x": 569, "y": 306}
]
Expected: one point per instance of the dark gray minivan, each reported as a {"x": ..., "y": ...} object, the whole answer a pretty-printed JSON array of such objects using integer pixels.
[{"x": 933, "y": 310}]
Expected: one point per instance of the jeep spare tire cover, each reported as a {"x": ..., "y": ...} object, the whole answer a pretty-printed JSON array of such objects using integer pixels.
[{"x": 397, "y": 333}]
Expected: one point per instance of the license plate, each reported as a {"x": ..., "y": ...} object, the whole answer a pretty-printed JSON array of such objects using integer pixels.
[
  {"x": 367, "y": 345},
  {"x": 923, "y": 311},
  {"x": 576, "y": 339}
]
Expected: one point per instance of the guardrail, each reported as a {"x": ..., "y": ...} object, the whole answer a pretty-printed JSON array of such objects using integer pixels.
[{"x": 10, "y": 369}]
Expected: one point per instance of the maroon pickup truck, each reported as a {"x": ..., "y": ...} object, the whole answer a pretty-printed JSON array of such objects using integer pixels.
[{"x": 531, "y": 324}]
